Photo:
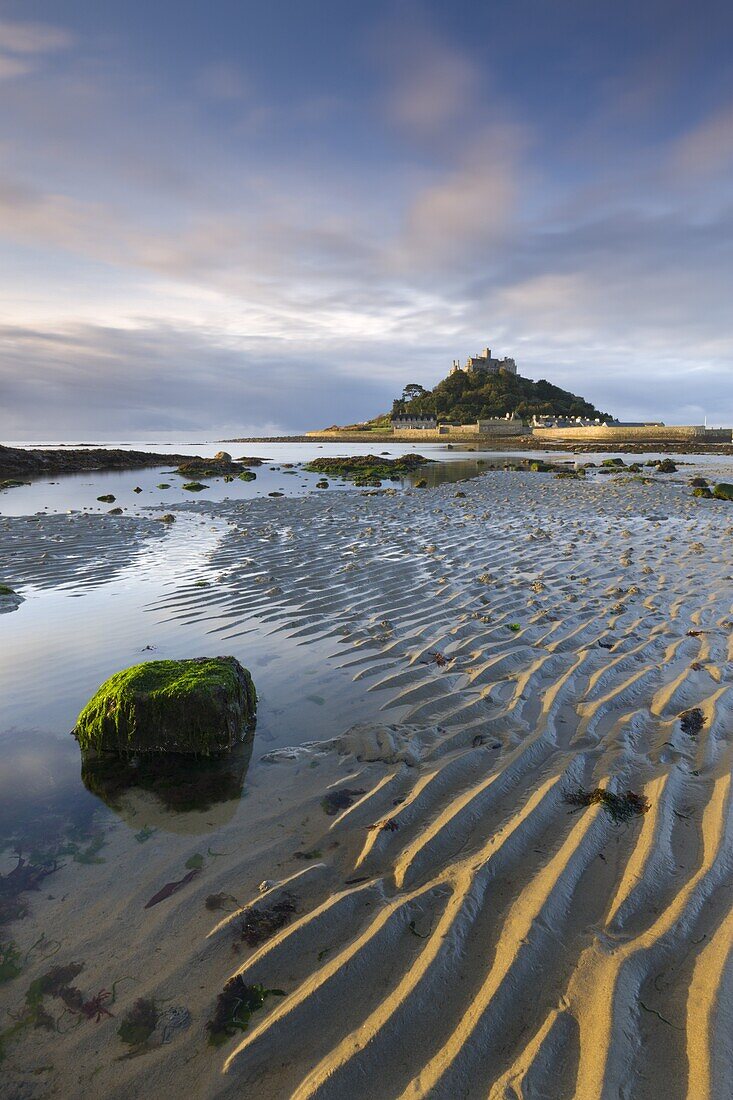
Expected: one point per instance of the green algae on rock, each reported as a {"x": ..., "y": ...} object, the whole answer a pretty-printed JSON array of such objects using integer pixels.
[
  {"x": 203, "y": 705},
  {"x": 723, "y": 491},
  {"x": 367, "y": 467},
  {"x": 194, "y": 486}
]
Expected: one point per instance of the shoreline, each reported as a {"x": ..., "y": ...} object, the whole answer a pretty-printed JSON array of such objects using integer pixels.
[
  {"x": 37, "y": 461},
  {"x": 502, "y": 443}
]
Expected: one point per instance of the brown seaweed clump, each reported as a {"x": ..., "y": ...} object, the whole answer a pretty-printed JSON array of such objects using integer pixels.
[
  {"x": 341, "y": 799},
  {"x": 692, "y": 721},
  {"x": 139, "y": 1023},
  {"x": 257, "y": 925},
  {"x": 621, "y": 807}
]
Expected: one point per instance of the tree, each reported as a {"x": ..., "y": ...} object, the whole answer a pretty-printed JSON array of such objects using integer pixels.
[{"x": 413, "y": 390}]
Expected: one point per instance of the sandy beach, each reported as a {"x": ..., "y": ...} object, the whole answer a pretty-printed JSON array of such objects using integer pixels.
[{"x": 429, "y": 895}]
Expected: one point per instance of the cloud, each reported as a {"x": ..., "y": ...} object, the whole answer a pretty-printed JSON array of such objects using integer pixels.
[
  {"x": 23, "y": 44},
  {"x": 432, "y": 86},
  {"x": 459, "y": 216},
  {"x": 223, "y": 82},
  {"x": 33, "y": 38},
  {"x": 707, "y": 148},
  {"x": 86, "y": 378}
]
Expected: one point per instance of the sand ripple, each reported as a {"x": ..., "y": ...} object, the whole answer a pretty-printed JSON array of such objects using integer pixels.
[{"x": 486, "y": 938}]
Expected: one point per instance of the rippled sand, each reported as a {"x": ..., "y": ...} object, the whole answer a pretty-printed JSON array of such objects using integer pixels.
[{"x": 460, "y": 929}]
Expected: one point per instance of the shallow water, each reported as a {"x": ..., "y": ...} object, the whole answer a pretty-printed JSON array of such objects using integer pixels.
[{"x": 88, "y": 612}]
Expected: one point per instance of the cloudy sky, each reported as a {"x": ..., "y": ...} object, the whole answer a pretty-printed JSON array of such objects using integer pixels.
[{"x": 242, "y": 215}]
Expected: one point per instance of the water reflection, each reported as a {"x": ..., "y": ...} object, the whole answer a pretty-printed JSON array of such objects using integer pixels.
[{"x": 161, "y": 786}]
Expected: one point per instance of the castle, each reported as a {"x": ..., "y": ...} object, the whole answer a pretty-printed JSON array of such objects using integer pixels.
[{"x": 485, "y": 363}]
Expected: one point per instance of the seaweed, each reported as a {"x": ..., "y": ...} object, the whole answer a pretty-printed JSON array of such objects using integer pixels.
[
  {"x": 170, "y": 888},
  {"x": 215, "y": 902},
  {"x": 139, "y": 1023},
  {"x": 341, "y": 799},
  {"x": 24, "y": 877},
  {"x": 692, "y": 721},
  {"x": 439, "y": 658},
  {"x": 257, "y": 925},
  {"x": 367, "y": 470},
  {"x": 621, "y": 807},
  {"x": 234, "y": 1008},
  {"x": 10, "y": 962}
]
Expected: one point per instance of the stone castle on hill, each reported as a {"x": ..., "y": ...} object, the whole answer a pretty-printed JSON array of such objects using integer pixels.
[{"x": 485, "y": 363}]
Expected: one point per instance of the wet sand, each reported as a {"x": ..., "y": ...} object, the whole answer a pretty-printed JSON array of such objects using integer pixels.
[{"x": 454, "y": 924}]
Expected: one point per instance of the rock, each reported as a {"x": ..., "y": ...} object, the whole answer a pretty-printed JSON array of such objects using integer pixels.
[
  {"x": 421, "y": 484},
  {"x": 9, "y": 600},
  {"x": 115, "y": 512},
  {"x": 698, "y": 483},
  {"x": 703, "y": 492},
  {"x": 167, "y": 517},
  {"x": 200, "y": 706},
  {"x": 11, "y": 483},
  {"x": 107, "y": 498},
  {"x": 666, "y": 466},
  {"x": 194, "y": 486},
  {"x": 222, "y": 456},
  {"x": 723, "y": 491},
  {"x": 137, "y": 489}
]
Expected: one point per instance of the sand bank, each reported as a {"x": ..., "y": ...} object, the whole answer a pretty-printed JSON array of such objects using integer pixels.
[{"x": 452, "y": 925}]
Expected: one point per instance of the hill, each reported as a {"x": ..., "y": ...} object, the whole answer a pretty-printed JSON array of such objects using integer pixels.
[{"x": 467, "y": 397}]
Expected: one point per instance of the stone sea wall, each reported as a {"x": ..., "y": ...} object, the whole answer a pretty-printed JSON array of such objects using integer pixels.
[{"x": 677, "y": 433}]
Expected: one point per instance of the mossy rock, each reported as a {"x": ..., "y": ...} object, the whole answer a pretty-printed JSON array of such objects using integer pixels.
[
  {"x": 365, "y": 468},
  {"x": 613, "y": 462},
  {"x": 246, "y": 475},
  {"x": 163, "y": 485},
  {"x": 194, "y": 486},
  {"x": 12, "y": 483},
  {"x": 698, "y": 483},
  {"x": 723, "y": 491},
  {"x": 9, "y": 601},
  {"x": 702, "y": 491},
  {"x": 203, "y": 705},
  {"x": 666, "y": 466}
]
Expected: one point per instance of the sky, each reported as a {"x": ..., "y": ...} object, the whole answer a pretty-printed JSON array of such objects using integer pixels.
[{"x": 242, "y": 216}]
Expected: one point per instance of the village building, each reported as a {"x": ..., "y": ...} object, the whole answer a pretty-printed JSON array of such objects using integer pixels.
[{"x": 413, "y": 423}]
